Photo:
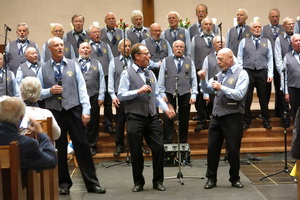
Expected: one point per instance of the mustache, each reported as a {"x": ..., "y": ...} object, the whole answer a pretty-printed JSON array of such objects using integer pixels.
[{"x": 179, "y": 51}]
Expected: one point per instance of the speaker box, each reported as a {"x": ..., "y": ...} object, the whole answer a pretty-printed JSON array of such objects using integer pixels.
[{"x": 171, "y": 154}]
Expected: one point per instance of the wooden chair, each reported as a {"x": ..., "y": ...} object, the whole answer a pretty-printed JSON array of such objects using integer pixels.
[
  {"x": 49, "y": 177},
  {"x": 11, "y": 172}
]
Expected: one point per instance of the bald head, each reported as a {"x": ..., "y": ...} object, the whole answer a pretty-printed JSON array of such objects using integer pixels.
[
  {"x": 225, "y": 58},
  {"x": 155, "y": 31}
]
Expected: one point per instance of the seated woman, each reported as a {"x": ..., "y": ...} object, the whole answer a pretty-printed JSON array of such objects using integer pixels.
[{"x": 30, "y": 88}]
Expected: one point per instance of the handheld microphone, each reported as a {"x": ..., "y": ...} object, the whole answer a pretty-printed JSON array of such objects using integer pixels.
[
  {"x": 9, "y": 29},
  {"x": 215, "y": 91},
  {"x": 59, "y": 96}
]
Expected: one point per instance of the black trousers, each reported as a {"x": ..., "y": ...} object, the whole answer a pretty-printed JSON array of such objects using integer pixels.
[
  {"x": 120, "y": 125},
  {"x": 139, "y": 126},
  {"x": 183, "y": 116},
  {"x": 108, "y": 115},
  {"x": 230, "y": 129},
  {"x": 93, "y": 125},
  {"x": 294, "y": 100},
  {"x": 258, "y": 79},
  {"x": 70, "y": 123}
]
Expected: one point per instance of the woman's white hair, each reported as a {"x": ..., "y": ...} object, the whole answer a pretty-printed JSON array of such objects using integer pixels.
[{"x": 30, "y": 89}]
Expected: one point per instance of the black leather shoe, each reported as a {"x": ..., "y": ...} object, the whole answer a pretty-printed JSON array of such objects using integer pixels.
[
  {"x": 64, "y": 191},
  {"x": 137, "y": 188},
  {"x": 109, "y": 130},
  {"x": 93, "y": 151},
  {"x": 119, "y": 150},
  {"x": 200, "y": 127},
  {"x": 237, "y": 184},
  {"x": 195, "y": 118},
  {"x": 145, "y": 151},
  {"x": 267, "y": 125},
  {"x": 210, "y": 184},
  {"x": 97, "y": 189},
  {"x": 159, "y": 187}
]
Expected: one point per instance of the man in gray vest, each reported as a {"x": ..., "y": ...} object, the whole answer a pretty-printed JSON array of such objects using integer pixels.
[
  {"x": 177, "y": 79},
  {"x": 256, "y": 57},
  {"x": 15, "y": 50},
  {"x": 116, "y": 67},
  {"x": 59, "y": 78},
  {"x": 159, "y": 48},
  {"x": 211, "y": 68},
  {"x": 291, "y": 64},
  {"x": 29, "y": 68},
  {"x": 271, "y": 31},
  {"x": 177, "y": 33},
  {"x": 57, "y": 30},
  {"x": 138, "y": 32},
  {"x": 138, "y": 90},
  {"x": 110, "y": 34},
  {"x": 8, "y": 80},
  {"x": 201, "y": 13},
  {"x": 201, "y": 46},
  {"x": 238, "y": 32},
  {"x": 77, "y": 35},
  {"x": 227, "y": 116},
  {"x": 282, "y": 47},
  {"x": 95, "y": 84},
  {"x": 102, "y": 52}
]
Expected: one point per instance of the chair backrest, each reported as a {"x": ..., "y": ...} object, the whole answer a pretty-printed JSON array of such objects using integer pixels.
[
  {"x": 1, "y": 186},
  {"x": 11, "y": 172},
  {"x": 49, "y": 177}
]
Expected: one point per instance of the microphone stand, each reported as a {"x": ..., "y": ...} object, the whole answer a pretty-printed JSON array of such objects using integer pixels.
[
  {"x": 4, "y": 57},
  {"x": 220, "y": 27},
  {"x": 285, "y": 124},
  {"x": 179, "y": 174}
]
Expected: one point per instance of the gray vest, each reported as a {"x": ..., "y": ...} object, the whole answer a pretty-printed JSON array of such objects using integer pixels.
[
  {"x": 213, "y": 67},
  {"x": 29, "y": 72},
  {"x": 201, "y": 51},
  {"x": 119, "y": 67},
  {"x": 222, "y": 104},
  {"x": 141, "y": 105},
  {"x": 9, "y": 84},
  {"x": 70, "y": 96},
  {"x": 255, "y": 58},
  {"x": 298, "y": 22},
  {"x": 180, "y": 35},
  {"x": 194, "y": 30},
  {"x": 104, "y": 59},
  {"x": 67, "y": 51},
  {"x": 14, "y": 60},
  {"x": 152, "y": 48},
  {"x": 268, "y": 33},
  {"x": 134, "y": 38},
  {"x": 285, "y": 45},
  {"x": 72, "y": 39},
  {"x": 233, "y": 42},
  {"x": 184, "y": 76},
  {"x": 91, "y": 77},
  {"x": 293, "y": 71},
  {"x": 114, "y": 48}
]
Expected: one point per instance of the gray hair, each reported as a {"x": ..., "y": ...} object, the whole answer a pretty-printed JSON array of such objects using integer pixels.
[
  {"x": 23, "y": 24},
  {"x": 12, "y": 109},
  {"x": 30, "y": 88},
  {"x": 136, "y": 13},
  {"x": 244, "y": 11}
]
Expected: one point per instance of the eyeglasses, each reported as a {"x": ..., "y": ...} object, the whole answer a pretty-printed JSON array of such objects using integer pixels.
[{"x": 146, "y": 54}]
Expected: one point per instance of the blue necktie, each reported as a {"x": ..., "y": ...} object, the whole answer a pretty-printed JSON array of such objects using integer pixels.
[
  {"x": 288, "y": 37},
  {"x": 223, "y": 76},
  {"x": 1, "y": 75},
  {"x": 114, "y": 39},
  {"x": 21, "y": 49},
  {"x": 240, "y": 33},
  {"x": 175, "y": 35},
  {"x": 140, "y": 36},
  {"x": 146, "y": 72},
  {"x": 275, "y": 32},
  {"x": 83, "y": 66},
  {"x": 80, "y": 39},
  {"x": 209, "y": 42},
  {"x": 256, "y": 42},
  {"x": 157, "y": 48},
  {"x": 179, "y": 65},
  {"x": 58, "y": 74},
  {"x": 99, "y": 51}
]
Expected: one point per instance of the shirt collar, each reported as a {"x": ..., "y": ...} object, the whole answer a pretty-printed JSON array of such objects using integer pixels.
[
  {"x": 83, "y": 32},
  {"x": 64, "y": 61}
]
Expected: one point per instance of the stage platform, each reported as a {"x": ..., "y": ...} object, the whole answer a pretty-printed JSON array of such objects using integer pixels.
[{"x": 118, "y": 182}]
